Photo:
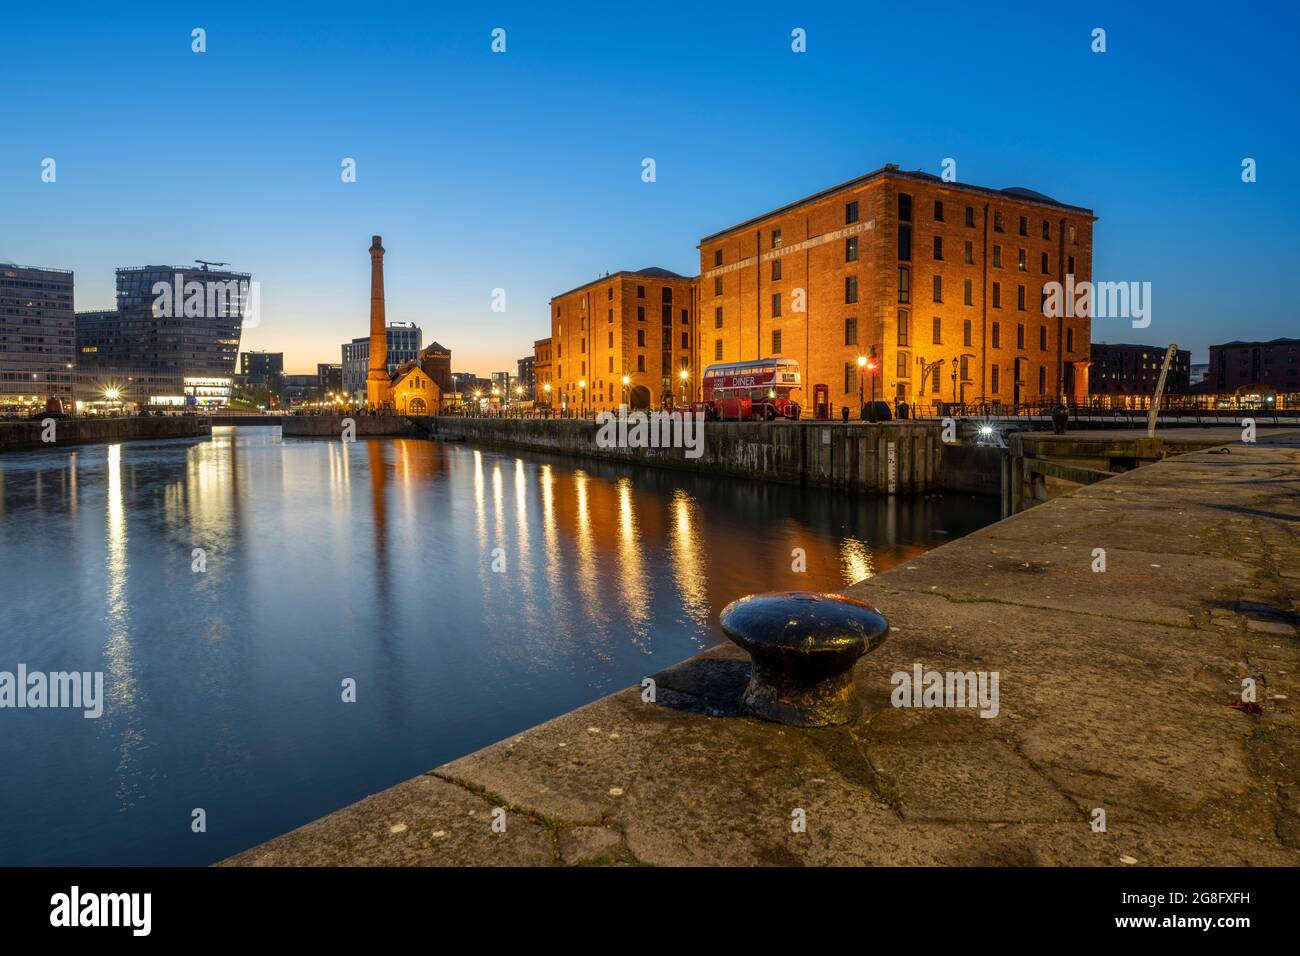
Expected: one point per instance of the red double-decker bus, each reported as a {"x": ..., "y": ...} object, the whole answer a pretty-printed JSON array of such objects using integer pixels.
[{"x": 759, "y": 390}]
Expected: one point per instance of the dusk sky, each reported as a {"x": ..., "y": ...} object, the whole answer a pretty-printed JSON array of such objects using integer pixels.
[{"x": 522, "y": 170}]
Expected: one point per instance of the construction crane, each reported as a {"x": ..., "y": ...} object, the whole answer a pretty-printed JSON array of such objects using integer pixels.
[{"x": 205, "y": 263}]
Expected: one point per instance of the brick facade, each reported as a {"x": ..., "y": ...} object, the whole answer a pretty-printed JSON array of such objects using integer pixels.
[
  {"x": 543, "y": 371},
  {"x": 635, "y": 324},
  {"x": 1255, "y": 368},
  {"x": 863, "y": 256},
  {"x": 1135, "y": 370}
]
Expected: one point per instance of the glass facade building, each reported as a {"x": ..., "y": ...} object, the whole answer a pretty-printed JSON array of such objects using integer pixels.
[
  {"x": 37, "y": 335},
  {"x": 173, "y": 338},
  {"x": 405, "y": 339}
]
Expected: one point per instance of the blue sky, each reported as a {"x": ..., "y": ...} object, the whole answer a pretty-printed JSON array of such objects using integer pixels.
[{"x": 522, "y": 170}]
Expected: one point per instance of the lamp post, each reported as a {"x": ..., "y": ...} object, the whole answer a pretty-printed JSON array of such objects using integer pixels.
[
  {"x": 582, "y": 396},
  {"x": 862, "y": 403},
  {"x": 956, "y": 366},
  {"x": 627, "y": 381},
  {"x": 928, "y": 368},
  {"x": 547, "y": 389},
  {"x": 684, "y": 375},
  {"x": 872, "y": 366}
]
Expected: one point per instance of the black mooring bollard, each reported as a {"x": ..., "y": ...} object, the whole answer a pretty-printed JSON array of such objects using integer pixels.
[{"x": 803, "y": 645}]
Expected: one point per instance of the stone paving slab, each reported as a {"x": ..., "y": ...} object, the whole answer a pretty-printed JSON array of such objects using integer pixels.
[{"x": 1116, "y": 693}]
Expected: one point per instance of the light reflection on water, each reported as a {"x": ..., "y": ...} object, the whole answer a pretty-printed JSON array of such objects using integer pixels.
[{"x": 372, "y": 561}]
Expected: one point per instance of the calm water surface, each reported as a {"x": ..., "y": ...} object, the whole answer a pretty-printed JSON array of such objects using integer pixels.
[{"x": 371, "y": 561}]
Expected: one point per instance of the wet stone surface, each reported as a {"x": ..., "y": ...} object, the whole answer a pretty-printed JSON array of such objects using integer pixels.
[{"x": 1116, "y": 693}]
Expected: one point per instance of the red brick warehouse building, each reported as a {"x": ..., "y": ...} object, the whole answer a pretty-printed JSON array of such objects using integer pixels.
[
  {"x": 909, "y": 271},
  {"x": 633, "y": 325}
]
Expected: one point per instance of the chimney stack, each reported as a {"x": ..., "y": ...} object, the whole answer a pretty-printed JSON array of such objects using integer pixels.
[{"x": 377, "y": 380}]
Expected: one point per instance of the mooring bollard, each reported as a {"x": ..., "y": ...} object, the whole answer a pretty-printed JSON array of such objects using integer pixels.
[{"x": 803, "y": 645}]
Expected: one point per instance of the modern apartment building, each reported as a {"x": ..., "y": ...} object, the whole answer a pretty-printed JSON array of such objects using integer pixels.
[
  {"x": 37, "y": 335},
  {"x": 260, "y": 368},
  {"x": 892, "y": 282},
  {"x": 1255, "y": 368},
  {"x": 329, "y": 378},
  {"x": 623, "y": 338},
  {"x": 527, "y": 376},
  {"x": 172, "y": 339},
  {"x": 405, "y": 340},
  {"x": 1135, "y": 370}
]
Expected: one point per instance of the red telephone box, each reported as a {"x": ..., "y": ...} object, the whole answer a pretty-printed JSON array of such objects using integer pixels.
[{"x": 821, "y": 402}]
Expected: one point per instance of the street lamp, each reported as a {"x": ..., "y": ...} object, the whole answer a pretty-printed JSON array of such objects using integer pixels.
[
  {"x": 956, "y": 366},
  {"x": 872, "y": 365},
  {"x": 582, "y": 396},
  {"x": 862, "y": 405},
  {"x": 683, "y": 375}
]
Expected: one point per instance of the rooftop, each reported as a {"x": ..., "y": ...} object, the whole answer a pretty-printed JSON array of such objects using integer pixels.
[
  {"x": 164, "y": 268},
  {"x": 1226, "y": 345},
  {"x": 1013, "y": 193},
  {"x": 650, "y": 272},
  {"x": 7, "y": 264}
]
